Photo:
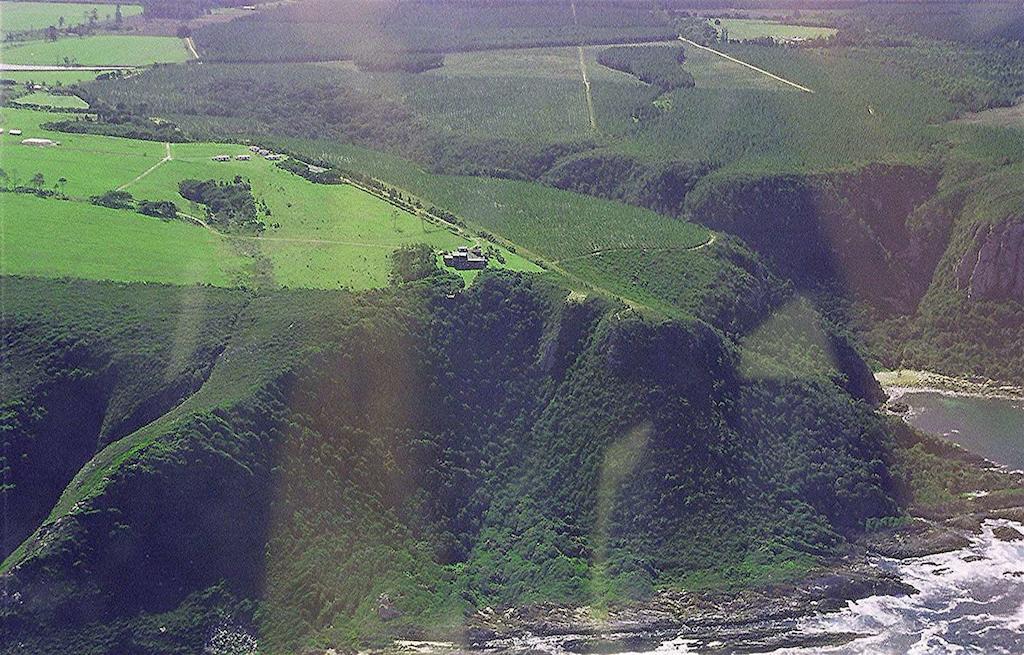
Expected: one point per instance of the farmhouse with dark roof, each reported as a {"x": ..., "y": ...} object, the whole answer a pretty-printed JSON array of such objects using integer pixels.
[{"x": 466, "y": 258}]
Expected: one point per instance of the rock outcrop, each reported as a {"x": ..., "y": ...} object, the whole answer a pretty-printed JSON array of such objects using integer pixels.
[{"x": 993, "y": 266}]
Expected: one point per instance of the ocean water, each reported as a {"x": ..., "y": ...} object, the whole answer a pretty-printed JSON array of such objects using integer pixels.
[{"x": 990, "y": 427}]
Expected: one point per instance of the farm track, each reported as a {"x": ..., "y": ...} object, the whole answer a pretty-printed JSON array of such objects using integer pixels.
[
  {"x": 775, "y": 77},
  {"x": 149, "y": 170},
  {"x": 190, "y": 45},
  {"x": 603, "y": 251},
  {"x": 583, "y": 73}
]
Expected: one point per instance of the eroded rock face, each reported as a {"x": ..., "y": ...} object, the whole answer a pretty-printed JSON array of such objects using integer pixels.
[{"x": 993, "y": 267}]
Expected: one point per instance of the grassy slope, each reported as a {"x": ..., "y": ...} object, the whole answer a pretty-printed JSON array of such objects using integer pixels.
[
  {"x": 556, "y": 224},
  {"x": 54, "y": 238},
  {"x": 101, "y": 50},
  {"x": 19, "y": 16}
]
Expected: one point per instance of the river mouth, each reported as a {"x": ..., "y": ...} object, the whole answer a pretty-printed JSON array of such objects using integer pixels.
[{"x": 986, "y": 426}]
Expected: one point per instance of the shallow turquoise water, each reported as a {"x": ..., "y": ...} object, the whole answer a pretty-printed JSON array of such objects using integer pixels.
[{"x": 990, "y": 427}]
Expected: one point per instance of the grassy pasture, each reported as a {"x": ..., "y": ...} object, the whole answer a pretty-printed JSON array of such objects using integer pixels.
[
  {"x": 742, "y": 29},
  {"x": 317, "y": 236},
  {"x": 22, "y": 16},
  {"x": 55, "y": 238},
  {"x": 51, "y": 100},
  {"x": 90, "y": 164},
  {"x": 49, "y": 78},
  {"x": 100, "y": 50}
]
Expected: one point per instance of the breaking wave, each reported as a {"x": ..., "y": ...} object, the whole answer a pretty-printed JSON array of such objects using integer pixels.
[{"x": 968, "y": 601}]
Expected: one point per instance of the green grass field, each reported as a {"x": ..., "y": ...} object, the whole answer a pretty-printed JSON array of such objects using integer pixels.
[
  {"x": 49, "y": 78},
  {"x": 103, "y": 50},
  {"x": 317, "y": 236},
  {"x": 22, "y": 16},
  {"x": 90, "y": 164},
  {"x": 51, "y": 100},
  {"x": 742, "y": 29},
  {"x": 54, "y": 238}
]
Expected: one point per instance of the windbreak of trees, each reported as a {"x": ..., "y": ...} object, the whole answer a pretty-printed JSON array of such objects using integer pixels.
[
  {"x": 162, "y": 209},
  {"x": 119, "y": 123}
]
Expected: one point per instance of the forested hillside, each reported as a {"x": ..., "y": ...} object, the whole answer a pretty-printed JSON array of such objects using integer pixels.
[{"x": 499, "y": 447}]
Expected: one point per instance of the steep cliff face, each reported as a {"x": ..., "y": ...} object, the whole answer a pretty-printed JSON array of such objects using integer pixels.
[
  {"x": 993, "y": 266},
  {"x": 857, "y": 233}
]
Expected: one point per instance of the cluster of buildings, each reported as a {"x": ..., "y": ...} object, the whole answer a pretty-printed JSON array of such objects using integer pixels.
[
  {"x": 32, "y": 141},
  {"x": 266, "y": 154},
  {"x": 466, "y": 258},
  {"x": 262, "y": 152}
]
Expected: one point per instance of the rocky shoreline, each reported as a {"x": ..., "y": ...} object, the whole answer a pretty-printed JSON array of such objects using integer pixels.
[
  {"x": 753, "y": 619},
  {"x": 900, "y": 382},
  {"x": 749, "y": 620}
]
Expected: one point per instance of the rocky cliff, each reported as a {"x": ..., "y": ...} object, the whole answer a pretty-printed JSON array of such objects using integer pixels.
[{"x": 993, "y": 266}]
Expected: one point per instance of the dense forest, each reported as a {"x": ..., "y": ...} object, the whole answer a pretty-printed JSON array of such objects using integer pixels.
[
  {"x": 322, "y": 30},
  {"x": 458, "y": 456}
]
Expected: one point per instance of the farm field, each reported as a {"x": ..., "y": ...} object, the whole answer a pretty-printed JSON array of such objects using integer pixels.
[
  {"x": 48, "y": 78},
  {"x": 742, "y": 29},
  {"x": 541, "y": 97},
  {"x": 51, "y": 100},
  {"x": 23, "y": 16},
  {"x": 55, "y": 238},
  {"x": 91, "y": 164},
  {"x": 100, "y": 50},
  {"x": 323, "y": 236}
]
